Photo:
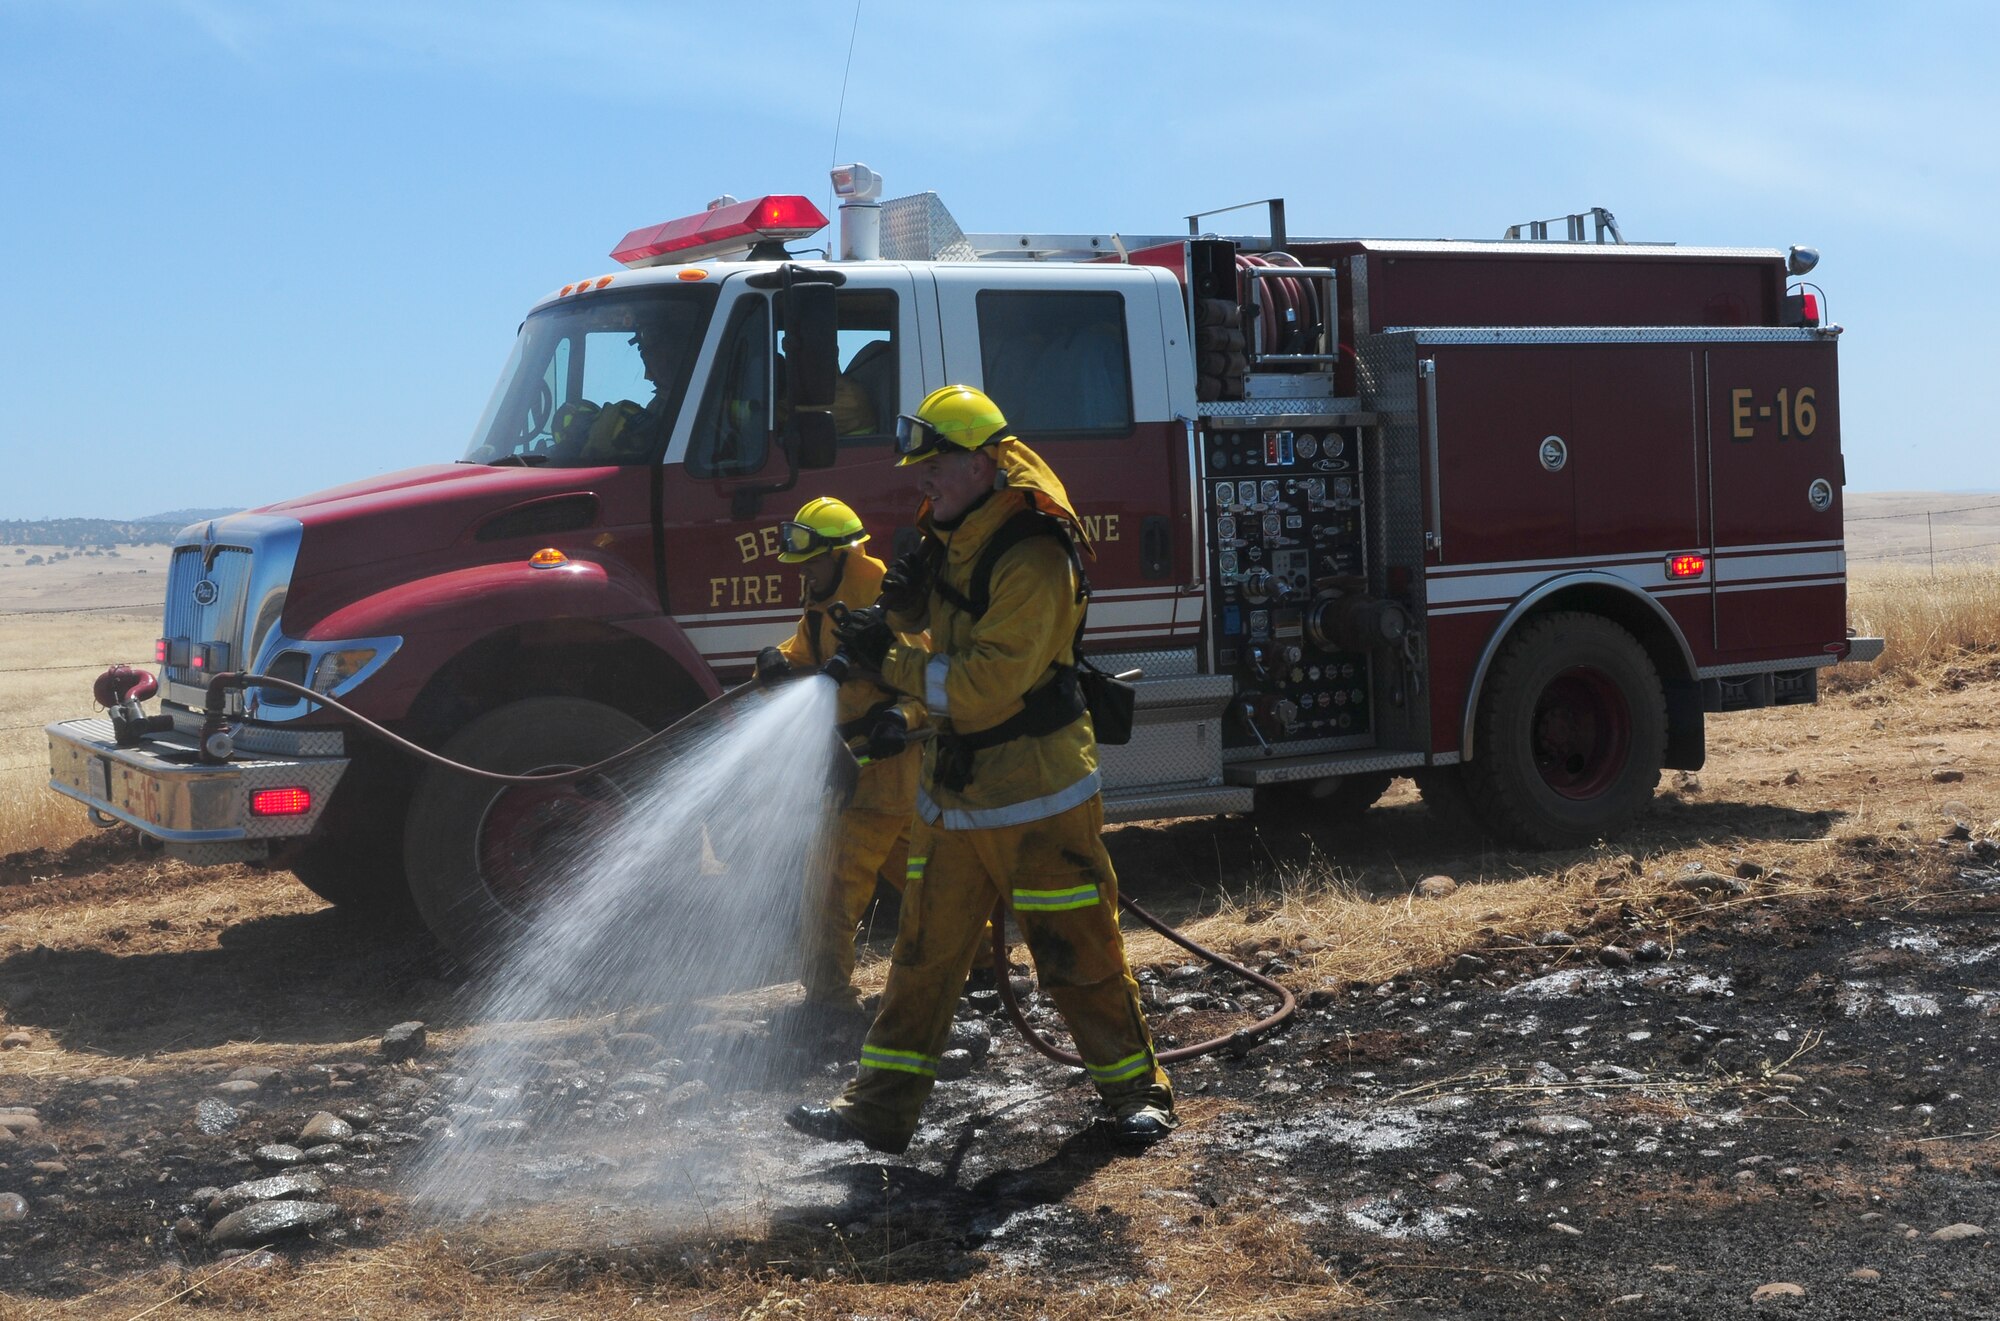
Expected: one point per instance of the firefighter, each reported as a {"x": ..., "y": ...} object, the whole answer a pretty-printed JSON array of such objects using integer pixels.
[
  {"x": 872, "y": 838},
  {"x": 1009, "y": 798}
]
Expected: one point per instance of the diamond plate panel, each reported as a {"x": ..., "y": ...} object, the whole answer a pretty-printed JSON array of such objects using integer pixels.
[
  {"x": 217, "y": 855},
  {"x": 268, "y": 741},
  {"x": 1194, "y": 802},
  {"x": 1289, "y": 770},
  {"x": 1618, "y": 334},
  {"x": 919, "y": 228},
  {"x": 1281, "y": 408},
  {"x": 1157, "y": 664},
  {"x": 1180, "y": 753},
  {"x": 1762, "y": 667}
]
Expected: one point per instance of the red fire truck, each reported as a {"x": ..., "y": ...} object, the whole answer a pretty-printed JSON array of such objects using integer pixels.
[{"x": 1512, "y": 517}]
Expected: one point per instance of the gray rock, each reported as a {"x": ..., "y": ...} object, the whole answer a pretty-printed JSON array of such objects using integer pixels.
[
  {"x": 404, "y": 1041},
  {"x": 500, "y": 1130},
  {"x": 1611, "y": 956},
  {"x": 1468, "y": 965},
  {"x": 278, "y": 1156},
  {"x": 324, "y": 1153},
  {"x": 974, "y": 1038},
  {"x": 1709, "y": 882},
  {"x": 1863, "y": 1275},
  {"x": 642, "y": 1082},
  {"x": 261, "y": 1074},
  {"x": 1956, "y": 1233},
  {"x": 1778, "y": 1289},
  {"x": 236, "y": 1087},
  {"x": 325, "y": 1127},
  {"x": 1555, "y": 939},
  {"x": 265, "y": 1221},
  {"x": 111, "y": 1082},
  {"x": 361, "y": 1116},
  {"x": 635, "y": 1046},
  {"x": 21, "y": 1123},
  {"x": 13, "y": 1207},
  {"x": 954, "y": 1064},
  {"x": 277, "y": 1188},
  {"x": 17, "y": 1040},
  {"x": 1649, "y": 951},
  {"x": 1561, "y": 1228},
  {"x": 212, "y": 1116},
  {"x": 1555, "y": 1126},
  {"x": 1435, "y": 887},
  {"x": 690, "y": 1095}
]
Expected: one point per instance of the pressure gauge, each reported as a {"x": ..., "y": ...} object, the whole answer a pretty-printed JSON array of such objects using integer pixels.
[
  {"x": 1334, "y": 446},
  {"x": 1246, "y": 493},
  {"x": 1226, "y": 562},
  {"x": 1343, "y": 487},
  {"x": 1225, "y": 527},
  {"x": 1315, "y": 489},
  {"x": 1269, "y": 493},
  {"x": 1273, "y": 525},
  {"x": 1308, "y": 445}
]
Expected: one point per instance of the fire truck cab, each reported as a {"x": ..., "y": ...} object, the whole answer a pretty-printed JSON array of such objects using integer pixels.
[{"x": 1511, "y": 516}]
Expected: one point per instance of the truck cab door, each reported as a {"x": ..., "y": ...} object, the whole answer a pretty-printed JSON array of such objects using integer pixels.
[
  {"x": 726, "y": 586},
  {"x": 1078, "y": 359}
]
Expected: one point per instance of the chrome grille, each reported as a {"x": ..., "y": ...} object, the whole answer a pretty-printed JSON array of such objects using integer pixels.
[{"x": 219, "y": 621}]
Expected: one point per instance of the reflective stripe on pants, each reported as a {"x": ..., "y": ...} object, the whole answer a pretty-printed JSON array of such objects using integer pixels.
[{"x": 1071, "y": 929}]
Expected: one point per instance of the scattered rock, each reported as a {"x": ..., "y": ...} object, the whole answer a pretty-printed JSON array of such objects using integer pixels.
[
  {"x": 1779, "y": 1289},
  {"x": 187, "y": 1231},
  {"x": 20, "y": 1123},
  {"x": 1611, "y": 956},
  {"x": 325, "y": 1127},
  {"x": 324, "y": 1153},
  {"x": 691, "y": 1095},
  {"x": 954, "y": 1064},
  {"x": 497, "y": 1130},
  {"x": 1955, "y": 1233},
  {"x": 1946, "y": 775},
  {"x": 212, "y": 1116},
  {"x": 16, "y": 1040},
  {"x": 1649, "y": 951},
  {"x": 1468, "y": 965},
  {"x": 111, "y": 1082},
  {"x": 279, "y": 1187},
  {"x": 1749, "y": 871},
  {"x": 404, "y": 1041},
  {"x": 974, "y": 1038},
  {"x": 1561, "y": 1228},
  {"x": 236, "y": 1087},
  {"x": 269, "y": 1220},
  {"x": 261, "y": 1074},
  {"x": 278, "y": 1156},
  {"x": 13, "y": 1207},
  {"x": 635, "y": 1046},
  {"x": 1709, "y": 882},
  {"x": 1555, "y": 1126},
  {"x": 1435, "y": 887},
  {"x": 642, "y": 1082},
  {"x": 1864, "y": 1275},
  {"x": 1555, "y": 939}
]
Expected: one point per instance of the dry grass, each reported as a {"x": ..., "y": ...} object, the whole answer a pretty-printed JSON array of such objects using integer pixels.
[{"x": 1932, "y": 622}]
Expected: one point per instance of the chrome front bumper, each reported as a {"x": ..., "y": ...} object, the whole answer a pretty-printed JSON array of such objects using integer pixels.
[{"x": 202, "y": 813}]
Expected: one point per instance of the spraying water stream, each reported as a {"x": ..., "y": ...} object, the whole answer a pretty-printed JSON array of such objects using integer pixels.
[{"x": 612, "y": 1047}]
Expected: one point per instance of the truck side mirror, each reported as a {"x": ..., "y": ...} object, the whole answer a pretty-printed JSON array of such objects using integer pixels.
[
  {"x": 817, "y": 443},
  {"x": 812, "y": 346}
]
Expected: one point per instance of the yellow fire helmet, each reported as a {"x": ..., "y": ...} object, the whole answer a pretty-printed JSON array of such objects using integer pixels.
[
  {"x": 820, "y": 526},
  {"x": 956, "y": 415}
]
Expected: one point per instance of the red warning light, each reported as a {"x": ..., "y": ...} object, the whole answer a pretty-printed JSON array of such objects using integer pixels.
[
  {"x": 780, "y": 218},
  {"x": 291, "y": 801},
  {"x": 1687, "y": 566}
]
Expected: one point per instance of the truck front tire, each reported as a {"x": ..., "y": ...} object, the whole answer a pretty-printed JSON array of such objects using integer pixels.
[
  {"x": 1570, "y": 735},
  {"x": 477, "y": 851}
]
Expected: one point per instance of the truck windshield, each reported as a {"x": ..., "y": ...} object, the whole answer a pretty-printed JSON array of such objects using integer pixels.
[{"x": 595, "y": 381}]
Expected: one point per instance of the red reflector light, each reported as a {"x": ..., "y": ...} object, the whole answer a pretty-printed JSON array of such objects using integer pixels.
[
  {"x": 198, "y": 661},
  {"x": 779, "y": 217},
  {"x": 160, "y": 651},
  {"x": 1809, "y": 308},
  {"x": 292, "y": 801},
  {"x": 1687, "y": 566}
]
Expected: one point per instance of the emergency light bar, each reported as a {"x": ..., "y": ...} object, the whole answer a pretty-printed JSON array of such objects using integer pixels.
[{"x": 776, "y": 219}]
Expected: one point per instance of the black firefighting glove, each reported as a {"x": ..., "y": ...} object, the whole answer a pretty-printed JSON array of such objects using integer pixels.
[
  {"x": 906, "y": 587},
  {"x": 772, "y": 666},
  {"x": 865, "y": 636},
  {"x": 888, "y": 736}
]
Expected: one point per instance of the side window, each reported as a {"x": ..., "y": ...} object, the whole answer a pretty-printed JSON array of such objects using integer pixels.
[
  {"x": 867, "y": 391},
  {"x": 732, "y": 432},
  {"x": 1057, "y": 363}
]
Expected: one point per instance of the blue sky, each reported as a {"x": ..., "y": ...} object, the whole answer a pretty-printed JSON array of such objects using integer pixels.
[{"x": 253, "y": 249}]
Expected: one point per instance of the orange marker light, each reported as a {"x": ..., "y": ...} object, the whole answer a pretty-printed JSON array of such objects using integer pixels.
[
  {"x": 692, "y": 273},
  {"x": 1687, "y": 566},
  {"x": 603, "y": 280},
  {"x": 548, "y": 557}
]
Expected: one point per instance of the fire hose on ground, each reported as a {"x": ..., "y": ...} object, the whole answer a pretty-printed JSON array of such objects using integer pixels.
[{"x": 215, "y": 714}]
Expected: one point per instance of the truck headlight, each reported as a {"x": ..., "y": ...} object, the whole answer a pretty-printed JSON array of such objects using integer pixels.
[{"x": 337, "y": 667}]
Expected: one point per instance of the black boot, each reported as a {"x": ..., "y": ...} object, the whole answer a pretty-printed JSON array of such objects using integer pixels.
[
  {"x": 1142, "y": 1126},
  {"x": 829, "y": 1125}
]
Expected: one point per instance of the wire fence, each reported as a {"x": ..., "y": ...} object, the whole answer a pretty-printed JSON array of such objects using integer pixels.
[
  {"x": 1930, "y": 550},
  {"x": 148, "y": 606}
]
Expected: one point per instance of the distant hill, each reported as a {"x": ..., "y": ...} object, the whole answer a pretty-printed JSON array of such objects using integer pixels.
[
  {"x": 89, "y": 531},
  {"x": 180, "y": 518}
]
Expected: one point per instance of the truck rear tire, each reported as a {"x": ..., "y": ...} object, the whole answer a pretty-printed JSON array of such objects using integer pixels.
[
  {"x": 365, "y": 879},
  {"x": 1570, "y": 735},
  {"x": 471, "y": 846},
  {"x": 1307, "y": 803}
]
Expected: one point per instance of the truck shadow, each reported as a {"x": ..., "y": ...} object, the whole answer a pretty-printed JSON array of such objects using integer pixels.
[{"x": 295, "y": 978}]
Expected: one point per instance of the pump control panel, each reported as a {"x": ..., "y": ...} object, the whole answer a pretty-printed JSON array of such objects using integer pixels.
[{"x": 1284, "y": 511}]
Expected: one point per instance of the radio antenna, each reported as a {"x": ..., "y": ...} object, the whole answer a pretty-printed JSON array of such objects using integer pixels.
[{"x": 841, "y": 111}]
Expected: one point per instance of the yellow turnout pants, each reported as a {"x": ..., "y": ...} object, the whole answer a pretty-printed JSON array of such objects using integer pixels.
[{"x": 1057, "y": 880}]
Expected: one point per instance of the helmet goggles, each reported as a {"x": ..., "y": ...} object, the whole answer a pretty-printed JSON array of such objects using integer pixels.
[
  {"x": 795, "y": 538},
  {"x": 916, "y": 439}
]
